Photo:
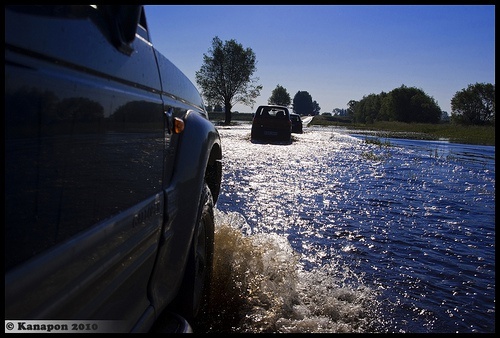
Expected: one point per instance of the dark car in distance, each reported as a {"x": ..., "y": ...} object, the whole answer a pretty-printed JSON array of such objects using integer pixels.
[
  {"x": 271, "y": 123},
  {"x": 296, "y": 123},
  {"x": 112, "y": 170}
]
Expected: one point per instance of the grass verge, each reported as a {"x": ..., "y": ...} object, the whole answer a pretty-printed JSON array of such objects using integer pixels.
[{"x": 481, "y": 135}]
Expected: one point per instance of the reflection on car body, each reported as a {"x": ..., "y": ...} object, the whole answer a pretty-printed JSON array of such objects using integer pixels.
[
  {"x": 109, "y": 208},
  {"x": 271, "y": 123}
]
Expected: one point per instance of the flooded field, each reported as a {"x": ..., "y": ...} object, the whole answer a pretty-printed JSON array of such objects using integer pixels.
[{"x": 339, "y": 233}]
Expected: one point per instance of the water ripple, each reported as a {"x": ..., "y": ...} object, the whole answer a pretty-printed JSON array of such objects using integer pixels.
[{"x": 413, "y": 221}]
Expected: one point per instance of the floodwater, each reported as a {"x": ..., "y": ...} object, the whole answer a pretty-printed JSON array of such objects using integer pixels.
[{"x": 338, "y": 232}]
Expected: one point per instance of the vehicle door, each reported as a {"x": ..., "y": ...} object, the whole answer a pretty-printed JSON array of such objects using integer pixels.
[{"x": 84, "y": 159}]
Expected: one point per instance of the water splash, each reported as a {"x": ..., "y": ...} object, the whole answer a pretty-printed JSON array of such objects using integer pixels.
[{"x": 260, "y": 286}]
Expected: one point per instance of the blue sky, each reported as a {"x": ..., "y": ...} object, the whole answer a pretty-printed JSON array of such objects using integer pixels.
[{"x": 338, "y": 53}]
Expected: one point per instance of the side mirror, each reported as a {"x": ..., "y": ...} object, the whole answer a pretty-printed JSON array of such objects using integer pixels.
[{"x": 123, "y": 22}]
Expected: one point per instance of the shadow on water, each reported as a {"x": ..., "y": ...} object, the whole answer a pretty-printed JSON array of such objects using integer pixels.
[{"x": 260, "y": 286}]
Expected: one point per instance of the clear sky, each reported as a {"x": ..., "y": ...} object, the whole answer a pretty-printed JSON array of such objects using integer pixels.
[{"x": 338, "y": 53}]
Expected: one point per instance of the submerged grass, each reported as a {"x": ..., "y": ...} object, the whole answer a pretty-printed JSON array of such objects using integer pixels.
[{"x": 481, "y": 135}]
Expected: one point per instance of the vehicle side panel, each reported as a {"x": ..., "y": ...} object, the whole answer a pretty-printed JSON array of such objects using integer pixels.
[
  {"x": 84, "y": 169},
  {"x": 183, "y": 197}
]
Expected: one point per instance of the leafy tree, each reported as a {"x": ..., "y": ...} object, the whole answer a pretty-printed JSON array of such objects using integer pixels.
[
  {"x": 226, "y": 75},
  {"x": 280, "y": 97},
  {"x": 386, "y": 112},
  {"x": 398, "y": 107},
  {"x": 474, "y": 105},
  {"x": 367, "y": 110},
  {"x": 302, "y": 103},
  {"x": 351, "y": 106},
  {"x": 316, "y": 108},
  {"x": 424, "y": 108},
  {"x": 410, "y": 104},
  {"x": 404, "y": 104}
]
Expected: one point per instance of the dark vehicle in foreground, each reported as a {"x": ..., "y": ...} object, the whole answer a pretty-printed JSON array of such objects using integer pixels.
[
  {"x": 112, "y": 169},
  {"x": 296, "y": 123},
  {"x": 271, "y": 123}
]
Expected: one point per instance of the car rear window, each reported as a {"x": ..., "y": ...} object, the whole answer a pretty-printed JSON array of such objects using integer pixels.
[{"x": 276, "y": 113}]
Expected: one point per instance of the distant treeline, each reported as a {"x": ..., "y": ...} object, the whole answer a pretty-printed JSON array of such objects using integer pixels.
[
  {"x": 403, "y": 104},
  {"x": 474, "y": 105},
  {"x": 220, "y": 116}
]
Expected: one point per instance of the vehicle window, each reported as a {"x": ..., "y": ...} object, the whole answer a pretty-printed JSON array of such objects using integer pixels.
[
  {"x": 272, "y": 113},
  {"x": 142, "y": 29}
]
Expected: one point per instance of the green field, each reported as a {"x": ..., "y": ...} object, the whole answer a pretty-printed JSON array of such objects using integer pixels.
[
  {"x": 217, "y": 117},
  {"x": 481, "y": 135}
]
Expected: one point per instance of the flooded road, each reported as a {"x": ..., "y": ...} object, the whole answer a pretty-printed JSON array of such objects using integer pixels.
[{"x": 341, "y": 233}]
